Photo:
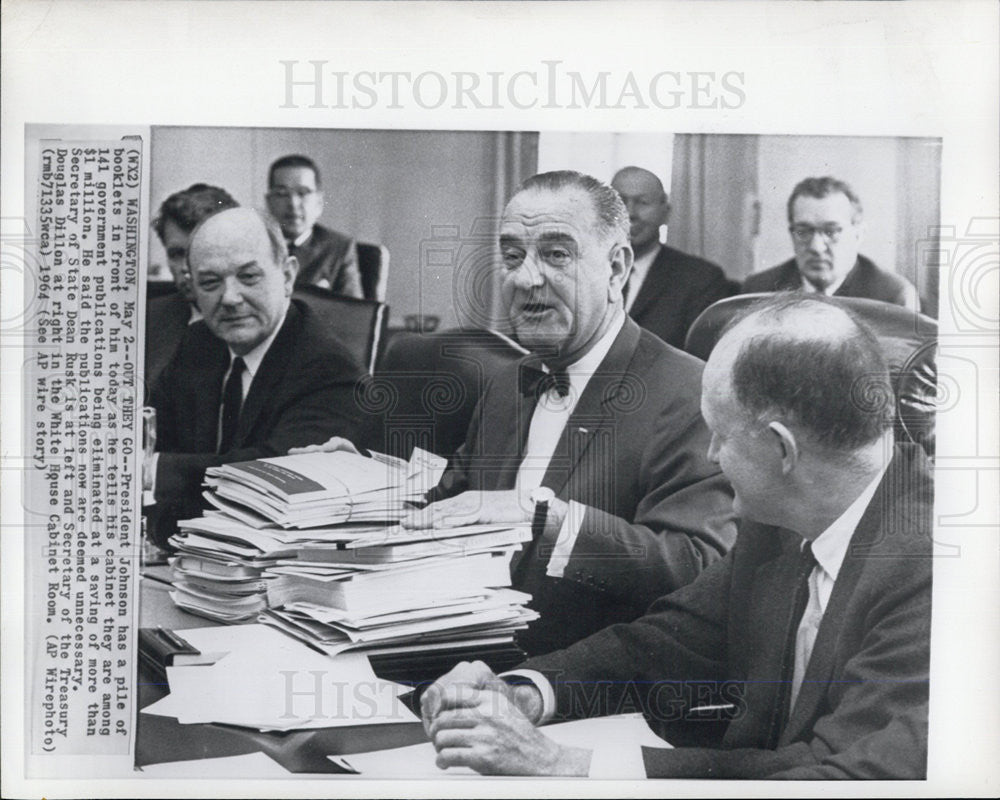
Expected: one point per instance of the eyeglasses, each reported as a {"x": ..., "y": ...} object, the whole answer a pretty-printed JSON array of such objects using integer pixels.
[
  {"x": 288, "y": 194},
  {"x": 803, "y": 233}
]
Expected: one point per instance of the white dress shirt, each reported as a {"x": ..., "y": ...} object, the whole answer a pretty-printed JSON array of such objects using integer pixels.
[
  {"x": 547, "y": 424},
  {"x": 829, "y": 549},
  {"x": 640, "y": 269}
]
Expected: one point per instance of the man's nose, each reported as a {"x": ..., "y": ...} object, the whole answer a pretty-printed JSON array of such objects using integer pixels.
[
  {"x": 529, "y": 274},
  {"x": 818, "y": 241},
  {"x": 232, "y": 292},
  {"x": 713, "y": 450}
]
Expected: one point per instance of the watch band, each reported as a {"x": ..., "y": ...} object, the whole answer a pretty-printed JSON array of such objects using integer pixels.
[{"x": 541, "y": 497}]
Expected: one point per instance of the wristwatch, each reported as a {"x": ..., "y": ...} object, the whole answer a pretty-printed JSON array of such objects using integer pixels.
[{"x": 541, "y": 496}]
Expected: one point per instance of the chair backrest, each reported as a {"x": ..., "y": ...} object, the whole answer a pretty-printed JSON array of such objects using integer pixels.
[
  {"x": 909, "y": 345},
  {"x": 426, "y": 388},
  {"x": 373, "y": 264},
  {"x": 359, "y": 324},
  {"x": 156, "y": 289}
]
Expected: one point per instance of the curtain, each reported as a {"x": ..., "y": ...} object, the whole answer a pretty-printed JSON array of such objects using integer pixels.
[
  {"x": 713, "y": 197},
  {"x": 477, "y": 279},
  {"x": 918, "y": 212}
]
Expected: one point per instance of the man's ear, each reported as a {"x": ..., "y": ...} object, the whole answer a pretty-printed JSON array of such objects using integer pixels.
[
  {"x": 788, "y": 446},
  {"x": 289, "y": 270},
  {"x": 621, "y": 266}
]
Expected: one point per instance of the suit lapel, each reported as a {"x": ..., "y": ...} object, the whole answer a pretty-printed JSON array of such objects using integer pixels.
[
  {"x": 594, "y": 412},
  {"x": 269, "y": 374},
  {"x": 654, "y": 287},
  {"x": 774, "y": 584},
  {"x": 209, "y": 370},
  {"x": 850, "y": 287}
]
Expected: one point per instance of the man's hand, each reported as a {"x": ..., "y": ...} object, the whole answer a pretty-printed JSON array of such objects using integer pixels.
[
  {"x": 473, "y": 720},
  {"x": 483, "y": 508},
  {"x": 332, "y": 445}
]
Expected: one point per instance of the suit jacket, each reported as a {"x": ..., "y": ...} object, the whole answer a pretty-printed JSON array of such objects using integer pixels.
[
  {"x": 634, "y": 453},
  {"x": 332, "y": 257},
  {"x": 864, "y": 280},
  {"x": 677, "y": 288},
  {"x": 303, "y": 393},
  {"x": 862, "y": 708},
  {"x": 166, "y": 323}
]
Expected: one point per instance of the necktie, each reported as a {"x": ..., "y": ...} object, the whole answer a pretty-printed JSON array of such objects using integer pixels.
[
  {"x": 804, "y": 567},
  {"x": 534, "y": 382},
  {"x": 292, "y": 248},
  {"x": 232, "y": 400}
]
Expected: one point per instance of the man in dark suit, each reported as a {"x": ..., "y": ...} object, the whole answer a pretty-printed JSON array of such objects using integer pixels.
[
  {"x": 825, "y": 221},
  {"x": 666, "y": 289},
  {"x": 596, "y": 437},
  {"x": 816, "y": 625},
  {"x": 295, "y": 198},
  {"x": 167, "y": 317},
  {"x": 256, "y": 376}
]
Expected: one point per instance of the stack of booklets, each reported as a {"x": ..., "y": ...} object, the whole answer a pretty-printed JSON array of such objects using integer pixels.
[
  {"x": 415, "y": 601},
  {"x": 310, "y": 489},
  {"x": 219, "y": 569},
  {"x": 266, "y": 509}
]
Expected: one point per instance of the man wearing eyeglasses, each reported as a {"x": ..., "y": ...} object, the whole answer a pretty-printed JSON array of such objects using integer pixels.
[
  {"x": 825, "y": 221},
  {"x": 326, "y": 258}
]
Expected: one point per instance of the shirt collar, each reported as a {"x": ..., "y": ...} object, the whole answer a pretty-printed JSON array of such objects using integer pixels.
[
  {"x": 253, "y": 359},
  {"x": 301, "y": 240},
  {"x": 641, "y": 265},
  {"x": 587, "y": 365},
  {"x": 830, "y": 547}
]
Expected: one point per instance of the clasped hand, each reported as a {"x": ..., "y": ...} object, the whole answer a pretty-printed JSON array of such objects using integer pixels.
[{"x": 476, "y": 720}]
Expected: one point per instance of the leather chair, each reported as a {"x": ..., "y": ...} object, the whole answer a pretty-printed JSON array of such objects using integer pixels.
[
  {"x": 373, "y": 264},
  {"x": 359, "y": 324},
  {"x": 909, "y": 344},
  {"x": 425, "y": 389}
]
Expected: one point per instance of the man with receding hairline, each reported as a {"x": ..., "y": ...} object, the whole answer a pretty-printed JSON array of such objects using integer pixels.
[
  {"x": 667, "y": 289},
  {"x": 167, "y": 317},
  {"x": 257, "y": 376},
  {"x": 814, "y": 629},
  {"x": 596, "y": 437}
]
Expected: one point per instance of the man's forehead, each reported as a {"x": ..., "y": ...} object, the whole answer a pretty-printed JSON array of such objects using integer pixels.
[
  {"x": 293, "y": 176},
  {"x": 236, "y": 239},
  {"x": 833, "y": 206},
  {"x": 566, "y": 211},
  {"x": 636, "y": 181}
]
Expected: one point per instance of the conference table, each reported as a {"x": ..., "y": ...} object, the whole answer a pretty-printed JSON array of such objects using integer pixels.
[{"x": 163, "y": 739}]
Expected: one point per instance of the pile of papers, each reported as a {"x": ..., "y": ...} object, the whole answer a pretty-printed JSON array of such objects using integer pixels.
[
  {"x": 312, "y": 489},
  {"x": 267, "y": 681},
  {"x": 310, "y": 545},
  {"x": 415, "y": 601},
  {"x": 268, "y": 509}
]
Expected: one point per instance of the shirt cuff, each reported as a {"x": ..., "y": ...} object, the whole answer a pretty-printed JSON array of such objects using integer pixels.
[
  {"x": 541, "y": 683},
  {"x": 566, "y": 540},
  {"x": 621, "y": 760}
]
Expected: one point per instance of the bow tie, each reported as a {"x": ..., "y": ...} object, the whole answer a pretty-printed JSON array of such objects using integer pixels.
[{"x": 534, "y": 382}]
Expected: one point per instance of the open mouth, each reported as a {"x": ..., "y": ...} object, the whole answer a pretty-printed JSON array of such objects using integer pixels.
[{"x": 535, "y": 308}]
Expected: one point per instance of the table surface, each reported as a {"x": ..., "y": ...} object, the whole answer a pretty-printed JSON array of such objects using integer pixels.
[{"x": 160, "y": 739}]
